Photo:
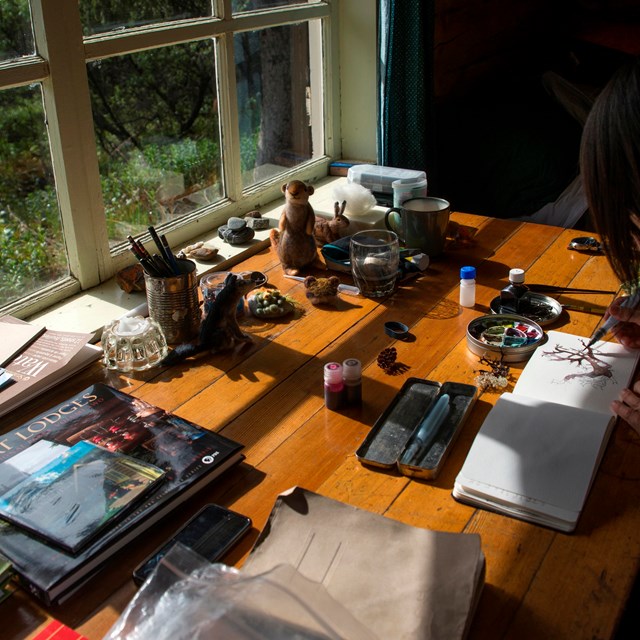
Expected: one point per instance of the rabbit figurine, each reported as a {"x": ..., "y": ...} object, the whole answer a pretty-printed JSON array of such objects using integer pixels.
[{"x": 327, "y": 231}]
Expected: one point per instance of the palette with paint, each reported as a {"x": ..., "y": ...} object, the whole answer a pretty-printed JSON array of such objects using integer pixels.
[{"x": 506, "y": 337}]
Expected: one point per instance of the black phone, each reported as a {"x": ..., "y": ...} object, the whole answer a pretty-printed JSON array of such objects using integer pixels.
[{"x": 211, "y": 533}]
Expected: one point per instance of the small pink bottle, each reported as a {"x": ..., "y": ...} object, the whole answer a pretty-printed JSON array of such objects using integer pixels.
[{"x": 333, "y": 385}]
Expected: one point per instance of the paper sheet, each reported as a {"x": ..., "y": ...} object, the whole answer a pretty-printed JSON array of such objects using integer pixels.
[{"x": 402, "y": 582}]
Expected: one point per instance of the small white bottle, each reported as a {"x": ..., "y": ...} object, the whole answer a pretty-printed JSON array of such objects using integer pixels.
[{"x": 467, "y": 286}]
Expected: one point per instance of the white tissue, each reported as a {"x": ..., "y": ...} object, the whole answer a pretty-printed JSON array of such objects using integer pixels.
[{"x": 359, "y": 199}]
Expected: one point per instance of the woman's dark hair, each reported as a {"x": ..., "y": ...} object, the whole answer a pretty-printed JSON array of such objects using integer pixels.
[{"x": 610, "y": 167}]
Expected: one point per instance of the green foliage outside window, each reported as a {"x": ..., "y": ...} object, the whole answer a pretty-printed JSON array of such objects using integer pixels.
[{"x": 157, "y": 133}]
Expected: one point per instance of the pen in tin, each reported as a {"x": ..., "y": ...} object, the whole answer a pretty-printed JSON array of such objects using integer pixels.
[
  {"x": 143, "y": 257},
  {"x": 170, "y": 256},
  {"x": 165, "y": 253},
  {"x": 428, "y": 428}
]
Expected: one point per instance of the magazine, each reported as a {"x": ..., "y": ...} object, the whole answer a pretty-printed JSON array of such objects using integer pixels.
[
  {"x": 190, "y": 456},
  {"x": 67, "y": 495},
  {"x": 51, "y": 358}
]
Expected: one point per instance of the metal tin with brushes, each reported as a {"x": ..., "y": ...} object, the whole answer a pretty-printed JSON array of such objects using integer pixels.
[
  {"x": 173, "y": 303},
  {"x": 506, "y": 337}
]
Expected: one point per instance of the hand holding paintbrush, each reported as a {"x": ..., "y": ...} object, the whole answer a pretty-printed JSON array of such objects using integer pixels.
[{"x": 629, "y": 334}]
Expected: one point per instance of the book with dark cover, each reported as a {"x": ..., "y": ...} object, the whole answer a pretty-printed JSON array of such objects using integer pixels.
[
  {"x": 67, "y": 495},
  {"x": 191, "y": 457}
]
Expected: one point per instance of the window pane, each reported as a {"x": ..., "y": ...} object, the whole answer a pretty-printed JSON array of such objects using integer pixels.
[
  {"x": 31, "y": 245},
  {"x": 238, "y": 6},
  {"x": 272, "y": 74},
  {"x": 16, "y": 37},
  {"x": 156, "y": 120},
  {"x": 106, "y": 15}
]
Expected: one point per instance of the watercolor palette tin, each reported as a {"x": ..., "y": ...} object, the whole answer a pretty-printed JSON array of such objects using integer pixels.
[{"x": 505, "y": 337}]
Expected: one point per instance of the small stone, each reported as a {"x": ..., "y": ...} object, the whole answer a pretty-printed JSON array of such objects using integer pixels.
[
  {"x": 131, "y": 278},
  {"x": 258, "y": 223},
  {"x": 232, "y": 236},
  {"x": 198, "y": 251},
  {"x": 203, "y": 253},
  {"x": 235, "y": 224}
]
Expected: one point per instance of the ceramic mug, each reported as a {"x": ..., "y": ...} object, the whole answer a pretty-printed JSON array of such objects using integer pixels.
[{"x": 421, "y": 223}]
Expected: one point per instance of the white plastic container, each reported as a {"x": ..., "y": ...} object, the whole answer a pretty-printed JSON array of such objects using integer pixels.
[
  {"x": 380, "y": 179},
  {"x": 467, "y": 286},
  {"x": 408, "y": 188}
]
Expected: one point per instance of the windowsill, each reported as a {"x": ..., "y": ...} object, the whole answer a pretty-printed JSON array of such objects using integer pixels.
[{"x": 90, "y": 310}]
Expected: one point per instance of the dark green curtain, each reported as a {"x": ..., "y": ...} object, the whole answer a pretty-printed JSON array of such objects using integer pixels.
[{"x": 405, "y": 136}]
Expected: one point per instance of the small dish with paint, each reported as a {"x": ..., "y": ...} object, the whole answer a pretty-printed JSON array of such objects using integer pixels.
[{"x": 506, "y": 337}]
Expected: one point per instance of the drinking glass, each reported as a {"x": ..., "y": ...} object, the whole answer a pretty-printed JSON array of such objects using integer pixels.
[{"x": 374, "y": 261}]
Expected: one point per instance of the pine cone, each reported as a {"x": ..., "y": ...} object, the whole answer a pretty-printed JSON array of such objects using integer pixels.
[{"x": 387, "y": 358}]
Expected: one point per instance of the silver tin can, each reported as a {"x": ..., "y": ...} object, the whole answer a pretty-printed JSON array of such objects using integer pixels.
[{"x": 173, "y": 303}]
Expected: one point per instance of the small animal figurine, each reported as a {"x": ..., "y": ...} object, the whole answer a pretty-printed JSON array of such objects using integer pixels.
[
  {"x": 328, "y": 231},
  {"x": 322, "y": 290},
  {"x": 219, "y": 330},
  {"x": 293, "y": 240}
]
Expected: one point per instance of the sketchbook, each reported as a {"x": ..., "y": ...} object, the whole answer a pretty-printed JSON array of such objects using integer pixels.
[{"x": 539, "y": 448}]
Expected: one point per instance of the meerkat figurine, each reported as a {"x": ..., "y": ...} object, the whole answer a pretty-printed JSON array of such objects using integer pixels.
[{"x": 293, "y": 240}]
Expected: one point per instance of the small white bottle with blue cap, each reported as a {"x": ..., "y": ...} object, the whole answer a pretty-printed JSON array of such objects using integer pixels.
[{"x": 467, "y": 286}]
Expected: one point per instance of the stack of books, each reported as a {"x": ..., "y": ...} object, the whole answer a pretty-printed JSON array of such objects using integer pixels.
[
  {"x": 33, "y": 359},
  {"x": 81, "y": 480}
]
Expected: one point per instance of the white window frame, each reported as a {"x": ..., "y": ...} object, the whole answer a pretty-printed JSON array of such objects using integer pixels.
[{"x": 61, "y": 67}]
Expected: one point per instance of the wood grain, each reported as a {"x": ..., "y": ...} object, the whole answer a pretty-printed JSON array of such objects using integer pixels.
[{"x": 539, "y": 583}]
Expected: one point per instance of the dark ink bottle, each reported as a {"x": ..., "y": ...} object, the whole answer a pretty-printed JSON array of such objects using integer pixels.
[
  {"x": 333, "y": 386},
  {"x": 352, "y": 378},
  {"x": 511, "y": 296}
]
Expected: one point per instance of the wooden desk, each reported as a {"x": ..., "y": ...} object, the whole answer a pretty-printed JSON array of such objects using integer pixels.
[{"x": 539, "y": 583}]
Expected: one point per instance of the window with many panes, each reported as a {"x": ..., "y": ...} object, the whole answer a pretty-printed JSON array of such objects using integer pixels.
[{"x": 120, "y": 114}]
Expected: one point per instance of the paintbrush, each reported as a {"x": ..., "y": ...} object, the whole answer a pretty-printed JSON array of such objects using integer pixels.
[
  {"x": 548, "y": 288},
  {"x": 629, "y": 302}
]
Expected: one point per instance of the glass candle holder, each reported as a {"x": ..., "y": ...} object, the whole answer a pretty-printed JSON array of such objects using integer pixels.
[{"x": 133, "y": 344}]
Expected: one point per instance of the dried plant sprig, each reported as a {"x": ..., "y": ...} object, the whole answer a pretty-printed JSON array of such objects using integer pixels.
[{"x": 496, "y": 378}]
